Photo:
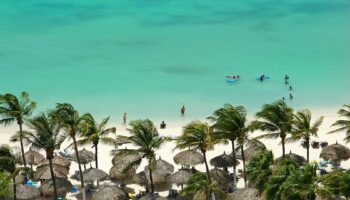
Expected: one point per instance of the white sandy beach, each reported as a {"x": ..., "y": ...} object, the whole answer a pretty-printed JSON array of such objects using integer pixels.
[{"x": 167, "y": 153}]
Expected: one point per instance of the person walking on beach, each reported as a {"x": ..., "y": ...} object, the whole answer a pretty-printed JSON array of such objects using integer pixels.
[
  {"x": 124, "y": 119},
  {"x": 183, "y": 111}
]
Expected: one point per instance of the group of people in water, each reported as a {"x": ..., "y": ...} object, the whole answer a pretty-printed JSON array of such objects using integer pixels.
[{"x": 286, "y": 81}]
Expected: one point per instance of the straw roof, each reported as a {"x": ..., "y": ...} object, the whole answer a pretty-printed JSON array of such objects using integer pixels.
[
  {"x": 245, "y": 193},
  {"x": 85, "y": 156},
  {"x": 292, "y": 156},
  {"x": 119, "y": 174},
  {"x": 63, "y": 187},
  {"x": 223, "y": 160},
  {"x": 140, "y": 179},
  {"x": 43, "y": 172},
  {"x": 25, "y": 192},
  {"x": 189, "y": 157},
  {"x": 19, "y": 179},
  {"x": 58, "y": 160},
  {"x": 109, "y": 192},
  {"x": 221, "y": 177},
  {"x": 251, "y": 151},
  {"x": 123, "y": 160},
  {"x": 335, "y": 152},
  {"x": 180, "y": 177},
  {"x": 161, "y": 171},
  {"x": 92, "y": 174},
  {"x": 33, "y": 157}
]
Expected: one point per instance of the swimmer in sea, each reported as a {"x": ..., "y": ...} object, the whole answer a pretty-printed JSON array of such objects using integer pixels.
[
  {"x": 291, "y": 97},
  {"x": 290, "y": 88}
]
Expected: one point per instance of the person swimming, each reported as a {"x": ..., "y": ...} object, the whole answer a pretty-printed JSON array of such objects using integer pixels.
[
  {"x": 262, "y": 78},
  {"x": 290, "y": 88},
  {"x": 286, "y": 77},
  {"x": 286, "y": 81},
  {"x": 291, "y": 97},
  {"x": 283, "y": 98}
]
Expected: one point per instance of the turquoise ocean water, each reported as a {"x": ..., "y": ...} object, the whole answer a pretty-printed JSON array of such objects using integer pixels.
[{"x": 150, "y": 57}]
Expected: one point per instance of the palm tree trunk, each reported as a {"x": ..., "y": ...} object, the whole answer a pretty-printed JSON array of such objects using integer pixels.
[
  {"x": 307, "y": 149},
  {"x": 80, "y": 171},
  {"x": 208, "y": 173},
  {"x": 244, "y": 173},
  {"x": 14, "y": 188},
  {"x": 22, "y": 146},
  {"x": 150, "y": 177},
  {"x": 283, "y": 146},
  {"x": 96, "y": 161},
  {"x": 53, "y": 178},
  {"x": 234, "y": 166}
]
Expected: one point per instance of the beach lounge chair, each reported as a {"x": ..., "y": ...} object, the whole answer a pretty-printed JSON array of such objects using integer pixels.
[
  {"x": 323, "y": 144},
  {"x": 315, "y": 144}
]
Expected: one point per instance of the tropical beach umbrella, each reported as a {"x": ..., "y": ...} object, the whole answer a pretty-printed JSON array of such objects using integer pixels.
[
  {"x": 251, "y": 151},
  {"x": 33, "y": 158},
  {"x": 43, "y": 172},
  {"x": 58, "y": 160},
  {"x": 122, "y": 175},
  {"x": 19, "y": 179},
  {"x": 109, "y": 192},
  {"x": 24, "y": 192},
  {"x": 85, "y": 157},
  {"x": 223, "y": 160},
  {"x": 189, "y": 157},
  {"x": 63, "y": 186},
  {"x": 140, "y": 179},
  {"x": 123, "y": 160},
  {"x": 221, "y": 177},
  {"x": 245, "y": 193},
  {"x": 180, "y": 177},
  {"x": 335, "y": 152},
  {"x": 292, "y": 156},
  {"x": 161, "y": 171},
  {"x": 92, "y": 174}
]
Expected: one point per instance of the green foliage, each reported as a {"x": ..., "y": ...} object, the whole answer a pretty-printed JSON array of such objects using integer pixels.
[
  {"x": 7, "y": 159},
  {"x": 5, "y": 185},
  {"x": 335, "y": 183},
  {"x": 343, "y": 124},
  {"x": 199, "y": 185},
  {"x": 258, "y": 169},
  {"x": 346, "y": 184}
]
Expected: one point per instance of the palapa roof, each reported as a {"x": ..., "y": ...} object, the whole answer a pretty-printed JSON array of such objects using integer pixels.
[
  {"x": 109, "y": 192},
  {"x": 292, "y": 156},
  {"x": 25, "y": 192},
  {"x": 58, "y": 160},
  {"x": 161, "y": 171},
  {"x": 251, "y": 151},
  {"x": 123, "y": 160},
  {"x": 180, "y": 177},
  {"x": 119, "y": 174},
  {"x": 140, "y": 179},
  {"x": 85, "y": 156},
  {"x": 221, "y": 177},
  {"x": 245, "y": 193},
  {"x": 43, "y": 172},
  {"x": 223, "y": 160},
  {"x": 33, "y": 157},
  {"x": 93, "y": 174},
  {"x": 335, "y": 152},
  {"x": 62, "y": 184},
  {"x": 189, "y": 157}
]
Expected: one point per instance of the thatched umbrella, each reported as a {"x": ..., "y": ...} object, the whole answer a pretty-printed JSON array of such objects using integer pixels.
[
  {"x": 221, "y": 177},
  {"x": 161, "y": 171},
  {"x": 245, "y": 193},
  {"x": 189, "y": 157},
  {"x": 300, "y": 160},
  {"x": 122, "y": 175},
  {"x": 19, "y": 179},
  {"x": 85, "y": 157},
  {"x": 58, "y": 160},
  {"x": 180, "y": 177},
  {"x": 109, "y": 192},
  {"x": 24, "y": 192},
  {"x": 224, "y": 160},
  {"x": 251, "y": 151},
  {"x": 63, "y": 186},
  {"x": 92, "y": 174},
  {"x": 123, "y": 160},
  {"x": 43, "y": 172},
  {"x": 335, "y": 152},
  {"x": 33, "y": 158},
  {"x": 140, "y": 179}
]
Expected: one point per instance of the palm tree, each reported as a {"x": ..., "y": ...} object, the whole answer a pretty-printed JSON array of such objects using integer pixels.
[
  {"x": 145, "y": 137},
  {"x": 198, "y": 135},
  {"x": 303, "y": 129},
  {"x": 72, "y": 124},
  {"x": 332, "y": 184},
  {"x": 8, "y": 163},
  {"x": 46, "y": 136},
  {"x": 258, "y": 170},
  {"x": 14, "y": 109},
  {"x": 199, "y": 185},
  {"x": 343, "y": 124},
  {"x": 230, "y": 124},
  {"x": 276, "y": 119},
  {"x": 96, "y": 133}
]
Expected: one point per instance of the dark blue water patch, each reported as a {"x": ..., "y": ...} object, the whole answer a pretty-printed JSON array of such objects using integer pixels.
[{"x": 319, "y": 7}]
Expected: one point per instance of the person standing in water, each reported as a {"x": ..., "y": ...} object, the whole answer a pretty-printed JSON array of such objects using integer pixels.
[
  {"x": 290, "y": 88},
  {"x": 183, "y": 111},
  {"x": 291, "y": 96},
  {"x": 124, "y": 119}
]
